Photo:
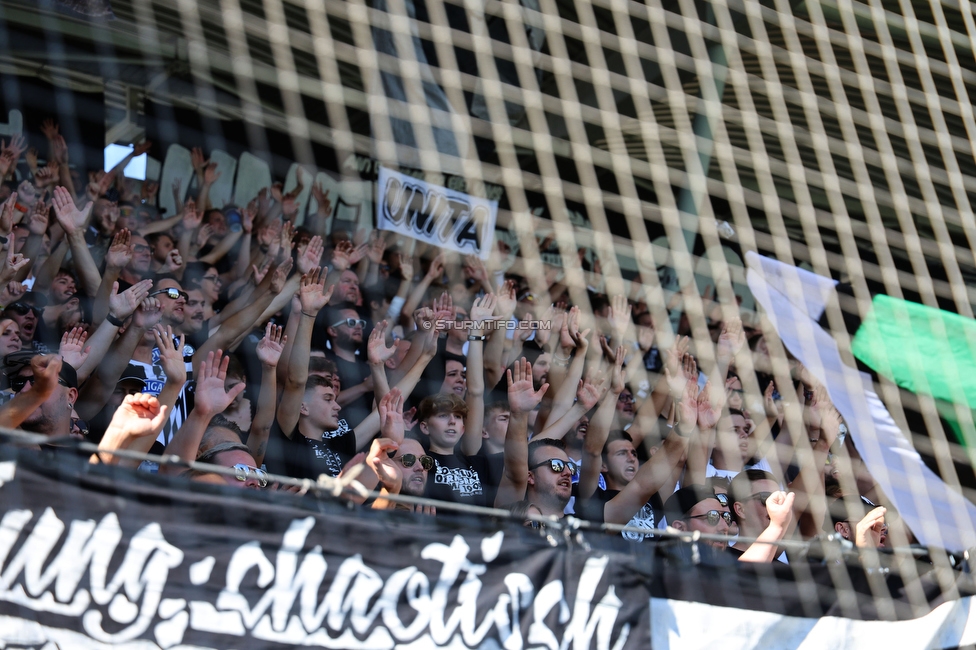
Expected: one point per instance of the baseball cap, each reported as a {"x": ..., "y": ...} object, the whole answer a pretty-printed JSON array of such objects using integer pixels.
[{"x": 13, "y": 362}]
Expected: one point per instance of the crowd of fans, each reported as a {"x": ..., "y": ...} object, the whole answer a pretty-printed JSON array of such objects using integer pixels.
[{"x": 234, "y": 337}]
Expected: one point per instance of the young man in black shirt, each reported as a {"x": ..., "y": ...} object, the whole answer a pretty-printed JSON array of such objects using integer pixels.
[{"x": 456, "y": 477}]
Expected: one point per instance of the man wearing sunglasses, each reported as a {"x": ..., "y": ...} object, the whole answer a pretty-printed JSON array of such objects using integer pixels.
[
  {"x": 749, "y": 492},
  {"x": 141, "y": 263},
  {"x": 415, "y": 465},
  {"x": 696, "y": 508},
  {"x": 346, "y": 332},
  {"x": 45, "y": 388},
  {"x": 550, "y": 479}
]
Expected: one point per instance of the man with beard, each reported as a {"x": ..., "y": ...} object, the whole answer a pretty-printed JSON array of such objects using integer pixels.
[
  {"x": 45, "y": 390},
  {"x": 194, "y": 318},
  {"x": 345, "y": 331}
]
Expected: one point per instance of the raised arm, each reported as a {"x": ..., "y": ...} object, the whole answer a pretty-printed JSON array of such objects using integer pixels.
[
  {"x": 96, "y": 391},
  {"x": 377, "y": 352},
  {"x": 268, "y": 353},
  {"x": 140, "y": 417},
  {"x": 522, "y": 399},
  {"x": 481, "y": 311},
  {"x": 74, "y": 221},
  {"x": 779, "y": 506},
  {"x": 209, "y": 399},
  {"x": 313, "y": 297}
]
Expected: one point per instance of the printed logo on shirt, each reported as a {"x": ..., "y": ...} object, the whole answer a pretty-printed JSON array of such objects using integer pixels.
[
  {"x": 644, "y": 519},
  {"x": 330, "y": 459},
  {"x": 464, "y": 481}
]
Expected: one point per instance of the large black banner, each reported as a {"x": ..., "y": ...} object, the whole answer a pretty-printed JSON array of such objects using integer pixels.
[{"x": 93, "y": 558}]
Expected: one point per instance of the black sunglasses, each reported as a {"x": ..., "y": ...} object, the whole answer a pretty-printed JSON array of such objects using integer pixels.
[
  {"x": 350, "y": 322},
  {"x": 713, "y": 516},
  {"x": 81, "y": 425},
  {"x": 722, "y": 499},
  {"x": 407, "y": 460},
  {"x": 21, "y": 308},
  {"x": 171, "y": 293},
  {"x": 761, "y": 497},
  {"x": 558, "y": 465},
  {"x": 17, "y": 382}
]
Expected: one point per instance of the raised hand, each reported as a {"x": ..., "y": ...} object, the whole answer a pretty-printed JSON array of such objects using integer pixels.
[
  {"x": 122, "y": 305},
  {"x": 259, "y": 273},
  {"x": 139, "y": 416},
  {"x": 46, "y": 177},
  {"x": 11, "y": 291},
  {"x": 322, "y": 198},
  {"x": 210, "y": 174},
  {"x": 203, "y": 235},
  {"x": 483, "y": 308},
  {"x": 210, "y": 396},
  {"x": 378, "y": 459},
  {"x": 505, "y": 301},
  {"x": 119, "y": 253},
  {"x": 38, "y": 220},
  {"x": 779, "y": 507},
  {"x": 377, "y": 351},
  {"x": 871, "y": 530},
  {"x": 7, "y": 214},
  {"x": 709, "y": 413},
  {"x": 69, "y": 216},
  {"x": 248, "y": 216},
  {"x": 311, "y": 257},
  {"x": 147, "y": 315},
  {"x": 49, "y": 128},
  {"x": 312, "y": 292},
  {"x": 619, "y": 317},
  {"x": 436, "y": 269},
  {"x": 269, "y": 348},
  {"x": 391, "y": 414},
  {"x": 198, "y": 160},
  {"x": 687, "y": 406},
  {"x": 171, "y": 355},
  {"x": 580, "y": 339},
  {"x": 59, "y": 150},
  {"x": 12, "y": 264},
  {"x": 618, "y": 377},
  {"x": 191, "y": 218},
  {"x": 174, "y": 262},
  {"x": 521, "y": 396},
  {"x": 280, "y": 275},
  {"x": 73, "y": 349},
  {"x": 590, "y": 391},
  {"x": 376, "y": 250},
  {"x": 46, "y": 368},
  {"x": 674, "y": 356},
  {"x": 732, "y": 338}
]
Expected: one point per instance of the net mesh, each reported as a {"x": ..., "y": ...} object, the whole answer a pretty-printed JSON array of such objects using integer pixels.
[{"x": 641, "y": 149}]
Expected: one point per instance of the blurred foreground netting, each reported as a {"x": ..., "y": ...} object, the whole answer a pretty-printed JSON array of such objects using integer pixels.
[{"x": 804, "y": 170}]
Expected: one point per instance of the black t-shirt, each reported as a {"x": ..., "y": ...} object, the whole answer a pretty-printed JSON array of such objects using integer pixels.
[
  {"x": 353, "y": 373},
  {"x": 301, "y": 457},
  {"x": 461, "y": 479},
  {"x": 647, "y": 517}
]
